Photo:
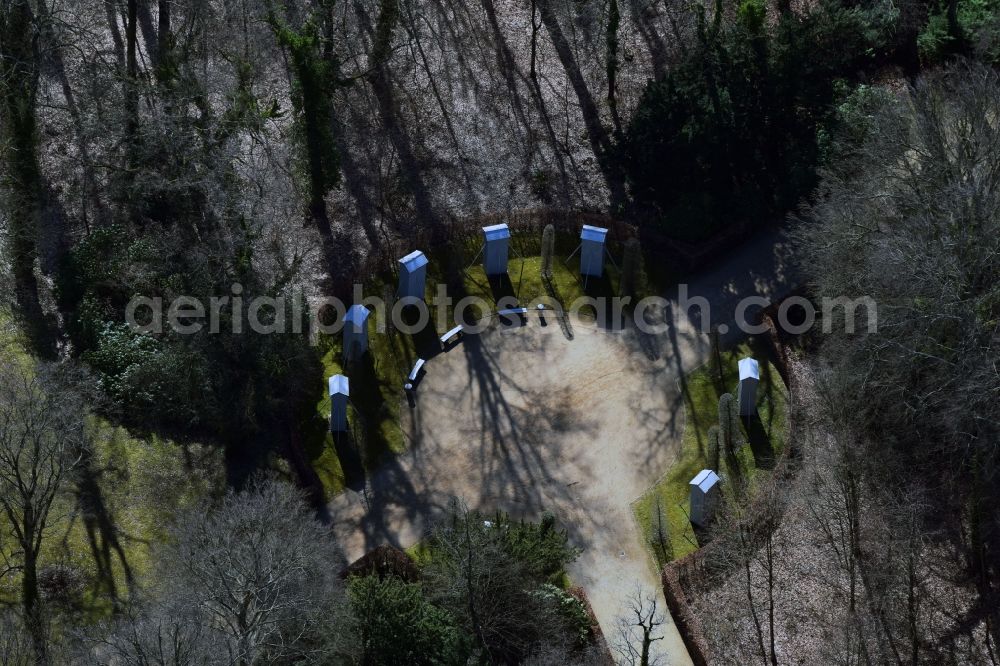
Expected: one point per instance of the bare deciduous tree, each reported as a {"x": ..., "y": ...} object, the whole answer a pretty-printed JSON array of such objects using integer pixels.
[
  {"x": 15, "y": 644},
  {"x": 914, "y": 197},
  {"x": 42, "y": 431},
  {"x": 260, "y": 569},
  {"x": 156, "y": 639},
  {"x": 746, "y": 542},
  {"x": 560, "y": 654},
  {"x": 661, "y": 533},
  {"x": 20, "y": 170},
  {"x": 638, "y": 629}
]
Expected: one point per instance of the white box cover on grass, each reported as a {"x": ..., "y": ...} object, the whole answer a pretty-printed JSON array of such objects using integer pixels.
[
  {"x": 340, "y": 394},
  {"x": 747, "y": 391},
  {"x": 705, "y": 489},
  {"x": 356, "y": 332},
  {"x": 412, "y": 275},
  {"x": 497, "y": 238},
  {"x": 592, "y": 241}
]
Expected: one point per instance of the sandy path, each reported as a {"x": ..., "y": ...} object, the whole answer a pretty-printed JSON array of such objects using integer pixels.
[{"x": 524, "y": 420}]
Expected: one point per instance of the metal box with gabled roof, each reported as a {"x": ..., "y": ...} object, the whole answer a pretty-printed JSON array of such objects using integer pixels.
[
  {"x": 747, "y": 391},
  {"x": 412, "y": 275},
  {"x": 340, "y": 394},
  {"x": 497, "y": 238},
  {"x": 705, "y": 488},
  {"x": 356, "y": 332},
  {"x": 592, "y": 241}
]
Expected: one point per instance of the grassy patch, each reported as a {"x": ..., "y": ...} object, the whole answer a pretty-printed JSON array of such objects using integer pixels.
[
  {"x": 11, "y": 338},
  {"x": 376, "y": 381},
  {"x": 142, "y": 484},
  {"x": 524, "y": 283},
  {"x": 420, "y": 553},
  {"x": 702, "y": 391}
]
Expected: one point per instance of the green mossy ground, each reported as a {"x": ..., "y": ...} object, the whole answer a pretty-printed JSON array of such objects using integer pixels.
[{"x": 701, "y": 391}]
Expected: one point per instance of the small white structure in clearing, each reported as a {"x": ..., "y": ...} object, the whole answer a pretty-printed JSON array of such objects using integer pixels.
[
  {"x": 747, "y": 392},
  {"x": 495, "y": 254},
  {"x": 412, "y": 275},
  {"x": 704, "y": 497},
  {"x": 340, "y": 393},
  {"x": 356, "y": 332},
  {"x": 592, "y": 250}
]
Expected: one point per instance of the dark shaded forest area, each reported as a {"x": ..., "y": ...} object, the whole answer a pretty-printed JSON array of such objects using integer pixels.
[{"x": 181, "y": 147}]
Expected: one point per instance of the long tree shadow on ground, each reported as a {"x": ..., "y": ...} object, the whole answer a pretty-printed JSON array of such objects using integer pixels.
[
  {"x": 668, "y": 422},
  {"x": 101, "y": 527},
  {"x": 521, "y": 434},
  {"x": 760, "y": 442},
  {"x": 369, "y": 408},
  {"x": 392, "y": 496},
  {"x": 603, "y": 293},
  {"x": 509, "y": 434},
  {"x": 503, "y": 290},
  {"x": 758, "y": 432},
  {"x": 426, "y": 342},
  {"x": 346, "y": 445}
]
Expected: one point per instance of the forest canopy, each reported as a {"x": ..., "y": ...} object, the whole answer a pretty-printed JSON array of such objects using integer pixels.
[{"x": 283, "y": 150}]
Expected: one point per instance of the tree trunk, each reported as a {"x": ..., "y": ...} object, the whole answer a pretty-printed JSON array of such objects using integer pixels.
[
  {"x": 388, "y": 108},
  {"x": 769, "y": 553},
  {"x": 19, "y": 145},
  {"x": 600, "y": 141},
  {"x": 654, "y": 43},
  {"x": 30, "y": 600},
  {"x": 955, "y": 28},
  {"x": 116, "y": 36},
  {"x": 131, "y": 83},
  {"x": 720, "y": 379},
  {"x": 614, "y": 23},
  {"x": 147, "y": 30},
  {"x": 317, "y": 181},
  {"x": 308, "y": 67},
  {"x": 305, "y": 476},
  {"x": 163, "y": 28},
  {"x": 163, "y": 41},
  {"x": 131, "y": 65},
  {"x": 912, "y": 603},
  {"x": 509, "y": 70},
  {"x": 535, "y": 26},
  {"x": 93, "y": 194},
  {"x": 415, "y": 37}
]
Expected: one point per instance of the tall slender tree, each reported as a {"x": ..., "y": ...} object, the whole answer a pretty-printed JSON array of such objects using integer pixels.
[
  {"x": 21, "y": 174},
  {"x": 42, "y": 431}
]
